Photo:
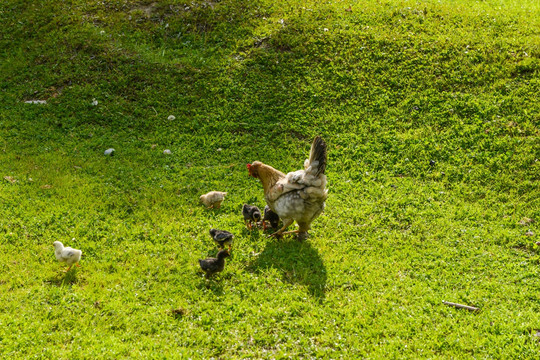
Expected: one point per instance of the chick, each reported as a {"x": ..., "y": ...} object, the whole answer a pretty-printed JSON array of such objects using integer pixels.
[
  {"x": 251, "y": 213},
  {"x": 271, "y": 216},
  {"x": 213, "y": 199},
  {"x": 66, "y": 254},
  {"x": 222, "y": 238},
  {"x": 214, "y": 265}
]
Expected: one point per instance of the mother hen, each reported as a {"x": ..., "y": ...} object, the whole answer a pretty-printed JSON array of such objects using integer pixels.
[{"x": 298, "y": 196}]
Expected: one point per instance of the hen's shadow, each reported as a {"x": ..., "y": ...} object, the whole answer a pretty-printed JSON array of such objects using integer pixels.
[{"x": 298, "y": 261}]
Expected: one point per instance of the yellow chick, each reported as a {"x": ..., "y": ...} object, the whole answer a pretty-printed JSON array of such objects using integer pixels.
[{"x": 213, "y": 199}]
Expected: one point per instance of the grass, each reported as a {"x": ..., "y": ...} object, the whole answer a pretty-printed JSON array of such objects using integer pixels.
[{"x": 431, "y": 113}]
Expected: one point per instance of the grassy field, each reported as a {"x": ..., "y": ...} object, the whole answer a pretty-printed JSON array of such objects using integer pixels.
[{"x": 431, "y": 111}]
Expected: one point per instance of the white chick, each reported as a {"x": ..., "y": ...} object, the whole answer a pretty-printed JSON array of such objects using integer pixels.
[
  {"x": 213, "y": 199},
  {"x": 66, "y": 254}
]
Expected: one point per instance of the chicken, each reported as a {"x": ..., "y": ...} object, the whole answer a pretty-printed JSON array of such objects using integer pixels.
[
  {"x": 298, "y": 196},
  {"x": 213, "y": 199},
  {"x": 272, "y": 218},
  {"x": 222, "y": 238},
  {"x": 214, "y": 265},
  {"x": 66, "y": 254},
  {"x": 251, "y": 213}
]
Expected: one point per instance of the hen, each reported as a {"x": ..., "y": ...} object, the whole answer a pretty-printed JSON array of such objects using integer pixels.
[{"x": 298, "y": 196}]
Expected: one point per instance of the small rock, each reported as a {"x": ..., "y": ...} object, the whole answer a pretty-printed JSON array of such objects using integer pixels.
[
  {"x": 171, "y": 117},
  {"x": 109, "y": 152},
  {"x": 153, "y": 146},
  {"x": 167, "y": 152},
  {"x": 538, "y": 243},
  {"x": 529, "y": 233},
  {"x": 219, "y": 149},
  {"x": 432, "y": 162},
  {"x": 35, "y": 102},
  {"x": 94, "y": 102}
]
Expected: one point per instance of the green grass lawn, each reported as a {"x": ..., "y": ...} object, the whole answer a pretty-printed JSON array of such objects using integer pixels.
[{"x": 431, "y": 112}]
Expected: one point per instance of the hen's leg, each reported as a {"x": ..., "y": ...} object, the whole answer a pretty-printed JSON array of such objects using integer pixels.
[
  {"x": 303, "y": 231},
  {"x": 286, "y": 224}
]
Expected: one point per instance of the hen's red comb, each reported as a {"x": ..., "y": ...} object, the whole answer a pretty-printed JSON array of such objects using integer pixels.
[{"x": 248, "y": 166}]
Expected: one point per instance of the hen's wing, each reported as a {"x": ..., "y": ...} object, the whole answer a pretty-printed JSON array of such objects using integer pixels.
[{"x": 311, "y": 176}]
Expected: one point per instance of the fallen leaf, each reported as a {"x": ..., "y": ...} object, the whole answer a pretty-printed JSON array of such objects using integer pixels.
[
  {"x": 46, "y": 186},
  {"x": 349, "y": 9},
  {"x": 526, "y": 221},
  {"x": 10, "y": 179}
]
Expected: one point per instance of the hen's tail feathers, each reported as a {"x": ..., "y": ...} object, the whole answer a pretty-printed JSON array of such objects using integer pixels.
[{"x": 317, "y": 155}]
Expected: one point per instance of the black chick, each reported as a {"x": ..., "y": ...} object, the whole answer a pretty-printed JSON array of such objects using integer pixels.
[
  {"x": 251, "y": 213},
  {"x": 272, "y": 218},
  {"x": 222, "y": 238},
  {"x": 214, "y": 265}
]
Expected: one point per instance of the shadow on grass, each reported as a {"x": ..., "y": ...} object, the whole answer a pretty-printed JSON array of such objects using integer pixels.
[
  {"x": 214, "y": 283},
  {"x": 63, "y": 279},
  {"x": 298, "y": 261}
]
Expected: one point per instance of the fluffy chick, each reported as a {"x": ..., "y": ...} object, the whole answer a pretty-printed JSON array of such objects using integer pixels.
[
  {"x": 213, "y": 199},
  {"x": 271, "y": 217},
  {"x": 251, "y": 213},
  {"x": 222, "y": 238},
  {"x": 214, "y": 265},
  {"x": 66, "y": 254}
]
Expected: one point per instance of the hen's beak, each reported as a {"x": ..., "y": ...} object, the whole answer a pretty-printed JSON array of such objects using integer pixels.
[{"x": 249, "y": 169}]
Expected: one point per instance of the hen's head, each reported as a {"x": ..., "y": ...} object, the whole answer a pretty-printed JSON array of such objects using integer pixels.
[{"x": 253, "y": 168}]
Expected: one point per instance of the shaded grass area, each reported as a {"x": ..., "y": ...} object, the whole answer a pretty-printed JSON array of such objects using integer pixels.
[{"x": 431, "y": 113}]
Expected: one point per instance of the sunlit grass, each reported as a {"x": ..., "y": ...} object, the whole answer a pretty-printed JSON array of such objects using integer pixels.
[{"x": 430, "y": 110}]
